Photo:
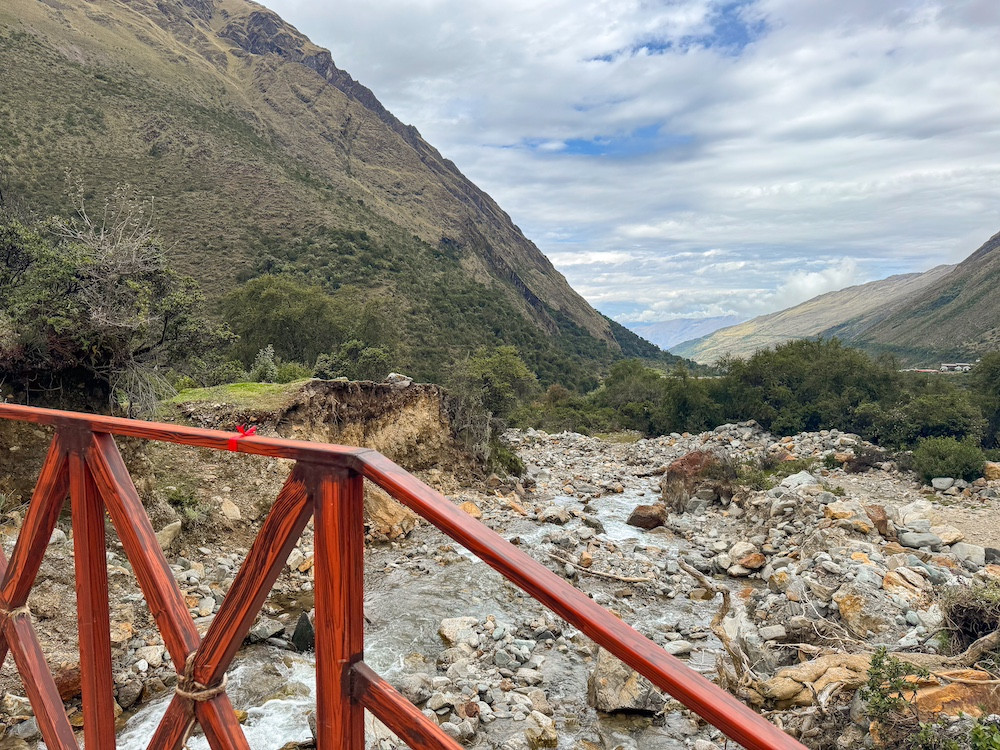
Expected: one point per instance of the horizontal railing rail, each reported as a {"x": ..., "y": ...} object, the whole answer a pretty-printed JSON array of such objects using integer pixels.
[{"x": 325, "y": 484}]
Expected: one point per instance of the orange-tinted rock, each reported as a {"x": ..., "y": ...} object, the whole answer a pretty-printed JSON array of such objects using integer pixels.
[
  {"x": 753, "y": 561},
  {"x": 682, "y": 475},
  {"x": 906, "y": 583},
  {"x": 67, "y": 677},
  {"x": 879, "y": 517},
  {"x": 974, "y": 696},
  {"x": 471, "y": 508},
  {"x": 648, "y": 516},
  {"x": 991, "y": 470}
]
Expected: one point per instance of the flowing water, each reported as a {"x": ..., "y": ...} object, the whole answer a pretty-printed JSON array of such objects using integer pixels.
[{"x": 404, "y": 606}]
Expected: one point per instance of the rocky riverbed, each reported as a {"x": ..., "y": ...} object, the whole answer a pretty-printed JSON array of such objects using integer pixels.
[{"x": 818, "y": 569}]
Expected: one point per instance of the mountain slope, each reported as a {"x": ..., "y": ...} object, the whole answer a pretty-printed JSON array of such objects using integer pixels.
[
  {"x": 955, "y": 317},
  {"x": 263, "y": 156},
  {"x": 848, "y": 309}
]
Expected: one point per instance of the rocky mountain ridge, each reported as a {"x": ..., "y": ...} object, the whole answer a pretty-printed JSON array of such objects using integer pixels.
[{"x": 264, "y": 157}]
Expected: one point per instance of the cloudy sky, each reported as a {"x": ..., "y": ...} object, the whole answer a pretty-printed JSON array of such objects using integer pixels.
[{"x": 689, "y": 158}]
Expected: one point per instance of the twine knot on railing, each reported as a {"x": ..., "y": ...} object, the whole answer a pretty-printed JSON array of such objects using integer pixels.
[
  {"x": 188, "y": 687},
  {"x": 10, "y": 614}
]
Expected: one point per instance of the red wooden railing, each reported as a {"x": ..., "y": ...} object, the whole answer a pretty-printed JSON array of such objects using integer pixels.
[{"x": 325, "y": 483}]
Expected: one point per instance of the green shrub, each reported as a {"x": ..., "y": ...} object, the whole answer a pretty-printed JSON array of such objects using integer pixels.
[
  {"x": 264, "y": 368},
  {"x": 948, "y": 457}
]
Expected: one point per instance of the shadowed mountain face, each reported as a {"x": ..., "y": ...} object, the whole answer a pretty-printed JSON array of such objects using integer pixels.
[
  {"x": 263, "y": 156},
  {"x": 955, "y": 317},
  {"x": 846, "y": 313}
]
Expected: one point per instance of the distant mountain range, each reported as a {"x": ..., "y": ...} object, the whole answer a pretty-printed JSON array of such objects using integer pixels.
[
  {"x": 264, "y": 157},
  {"x": 947, "y": 313},
  {"x": 847, "y": 313},
  {"x": 667, "y": 333}
]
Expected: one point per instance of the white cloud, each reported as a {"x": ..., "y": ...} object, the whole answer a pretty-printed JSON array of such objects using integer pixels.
[{"x": 859, "y": 135}]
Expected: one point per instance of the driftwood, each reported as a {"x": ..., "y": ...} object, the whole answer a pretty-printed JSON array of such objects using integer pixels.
[
  {"x": 744, "y": 675},
  {"x": 599, "y": 574}
]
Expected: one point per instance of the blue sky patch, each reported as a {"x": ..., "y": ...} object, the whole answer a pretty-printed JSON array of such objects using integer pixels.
[
  {"x": 733, "y": 29},
  {"x": 646, "y": 140}
]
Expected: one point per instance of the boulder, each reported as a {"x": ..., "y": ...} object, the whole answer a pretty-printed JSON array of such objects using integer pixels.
[
  {"x": 856, "y": 611},
  {"x": 878, "y": 515},
  {"x": 968, "y": 692},
  {"x": 942, "y": 483},
  {"x": 848, "y": 514},
  {"x": 918, "y": 539},
  {"x": 385, "y": 517},
  {"x": 972, "y": 553},
  {"x": 802, "y": 479},
  {"x": 613, "y": 686},
  {"x": 991, "y": 470},
  {"x": 166, "y": 536},
  {"x": 682, "y": 477},
  {"x": 648, "y": 516}
]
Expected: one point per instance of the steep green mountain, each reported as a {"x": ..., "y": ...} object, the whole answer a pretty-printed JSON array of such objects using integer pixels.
[
  {"x": 956, "y": 317},
  {"x": 844, "y": 313},
  {"x": 264, "y": 157}
]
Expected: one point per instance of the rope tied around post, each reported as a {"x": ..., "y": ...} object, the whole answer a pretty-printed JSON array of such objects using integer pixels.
[
  {"x": 21, "y": 611},
  {"x": 188, "y": 687}
]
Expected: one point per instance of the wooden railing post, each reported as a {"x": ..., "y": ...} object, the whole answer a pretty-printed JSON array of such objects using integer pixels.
[
  {"x": 339, "y": 533},
  {"x": 89, "y": 552}
]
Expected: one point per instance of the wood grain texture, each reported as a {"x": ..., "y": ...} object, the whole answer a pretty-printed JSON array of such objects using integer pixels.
[
  {"x": 156, "y": 580},
  {"x": 222, "y": 728},
  {"x": 339, "y": 538},
  {"x": 39, "y": 521},
  {"x": 712, "y": 703},
  {"x": 264, "y": 562},
  {"x": 93, "y": 620},
  {"x": 38, "y": 683},
  {"x": 331, "y": 455},
  {"x": 173, "y": 727},
  {"x": 397, "y": 713}
]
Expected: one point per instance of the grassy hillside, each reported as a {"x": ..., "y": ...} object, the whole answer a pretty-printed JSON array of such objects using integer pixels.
[
  {"x": 263, "y": 157},
  {"x": 842, "y": 313},
  {"x": 956, "y": 317}
]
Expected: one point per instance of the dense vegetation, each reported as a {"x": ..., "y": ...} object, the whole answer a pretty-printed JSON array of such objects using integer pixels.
[
  {"x": 798, "y": 386},
  {"x": 91, "y": 306}
]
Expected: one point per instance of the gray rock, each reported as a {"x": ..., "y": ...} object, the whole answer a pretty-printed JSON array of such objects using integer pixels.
[
  {"x": 678, "y": 648},
  {"x": 972, "y": 553},
  {"x": 264, "y": 629},
  {"x": 553, "y": 514},
  {"x": 773, "y": 633},
  {"x": 455, "y": 630},
  {"x": 918, "y": 539},
  {"x": 614, "y": 686},
  {"x": 416, "y": 688},
  {"x": 802, "y": 479},
  {"x": 942, "y": 483},
  {"x": 304, "y": 635},
  {"x": 128, "y": 694}
]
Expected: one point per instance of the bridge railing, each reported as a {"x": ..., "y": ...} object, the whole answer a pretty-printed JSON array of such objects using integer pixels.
[{"x": 326, "y": 483}]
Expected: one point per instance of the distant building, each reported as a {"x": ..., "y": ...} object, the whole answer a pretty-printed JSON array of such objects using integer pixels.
[{"x": 956, "y": 366}]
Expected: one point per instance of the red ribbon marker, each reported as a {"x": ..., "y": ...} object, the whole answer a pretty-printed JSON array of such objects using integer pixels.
[{"x": 244, "y": 432}]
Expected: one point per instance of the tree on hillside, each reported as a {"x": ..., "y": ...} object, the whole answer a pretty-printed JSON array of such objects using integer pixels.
[
  {"x": 92, "y": 302},
  {"x": 986, "y": 386}
]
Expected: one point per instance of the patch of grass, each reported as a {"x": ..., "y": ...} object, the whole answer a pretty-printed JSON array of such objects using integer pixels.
[
  {"x": 183, "y": 498},
  {"x": 766, "y": 472},
  {"x": 264, "y": 396},
  {"x": 622, "y": 436},
  {"x": 972, "y": 612}
]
